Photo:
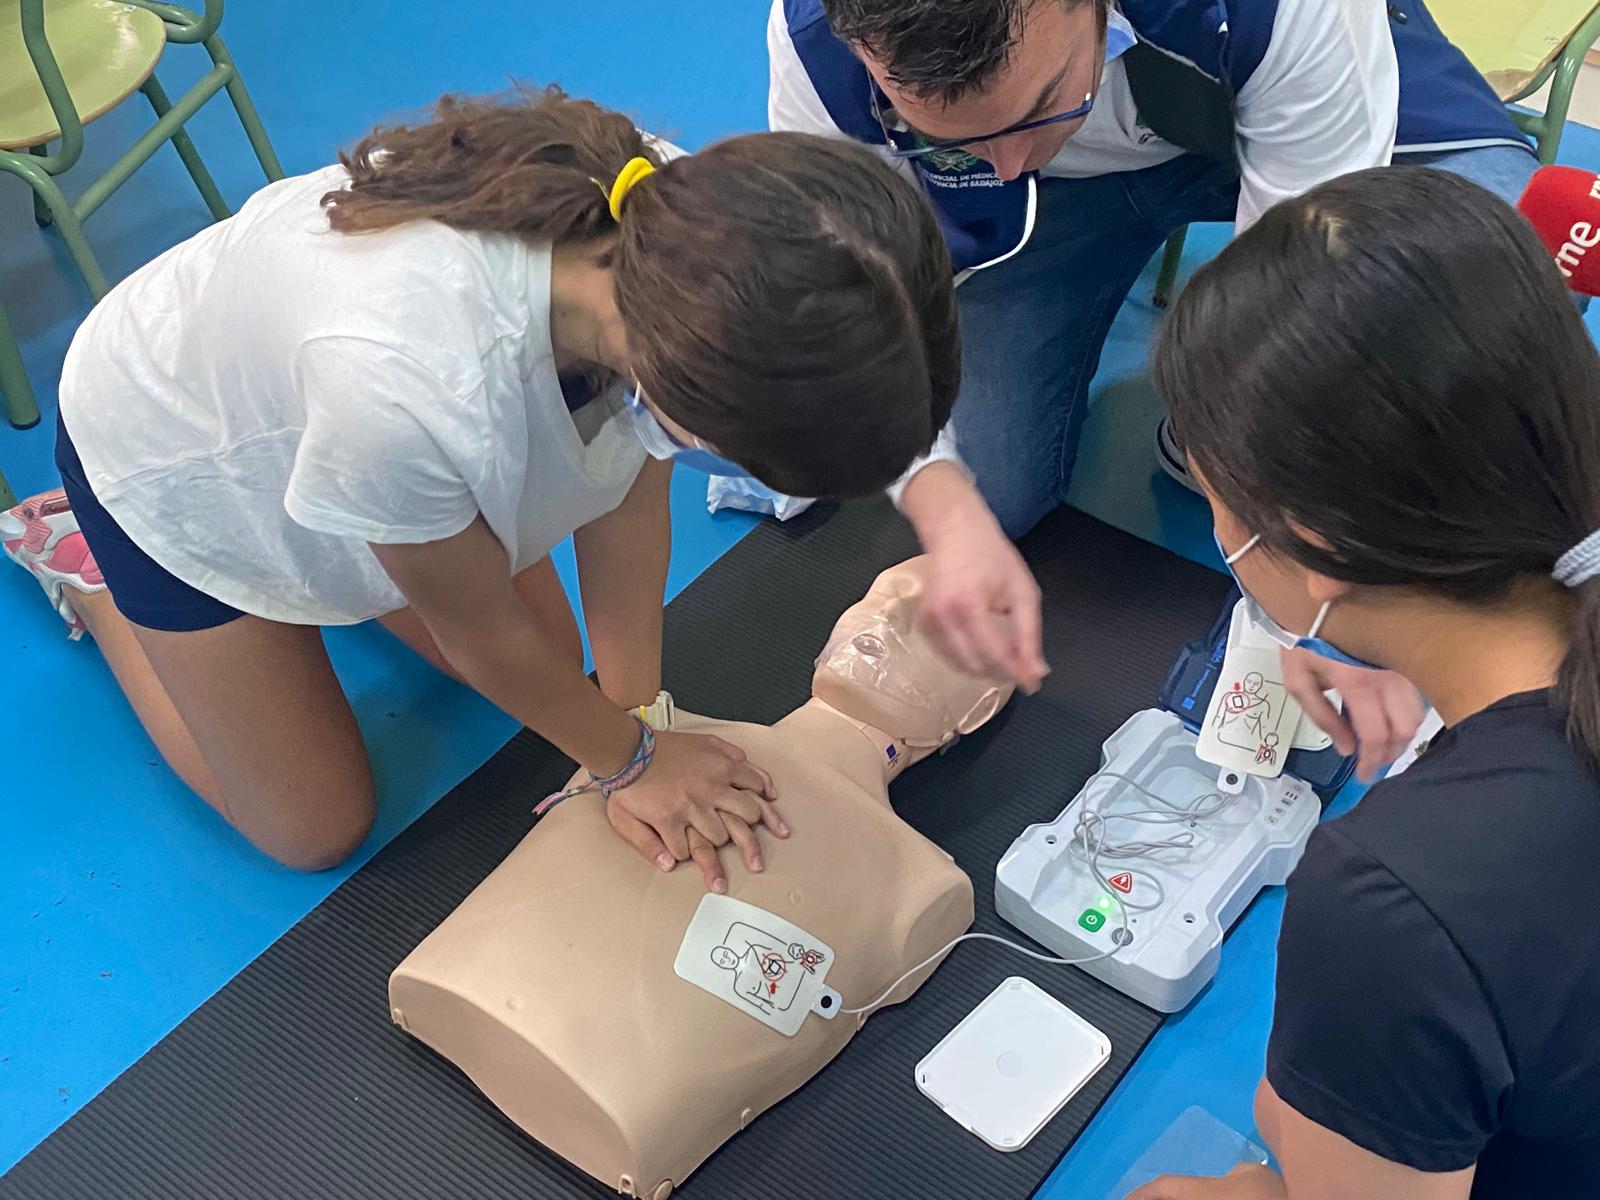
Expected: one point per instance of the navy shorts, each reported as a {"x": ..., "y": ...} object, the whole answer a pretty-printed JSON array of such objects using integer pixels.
[{"x": 145, "y": 592}]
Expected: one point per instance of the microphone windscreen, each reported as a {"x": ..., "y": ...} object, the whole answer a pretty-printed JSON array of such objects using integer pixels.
[{"x": 1563, "y": 205}]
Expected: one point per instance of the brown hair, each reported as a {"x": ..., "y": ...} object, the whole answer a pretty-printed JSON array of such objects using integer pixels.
[
  {"x": 939, "y": 49},
  {"x": 787, "y": 298}
]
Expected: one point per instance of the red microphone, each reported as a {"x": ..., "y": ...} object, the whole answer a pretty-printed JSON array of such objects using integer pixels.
[{"x": 1563, "y": 205}]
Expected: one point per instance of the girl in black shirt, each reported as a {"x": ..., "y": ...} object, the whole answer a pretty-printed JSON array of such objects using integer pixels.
[{"x": 1395, "y": 410}]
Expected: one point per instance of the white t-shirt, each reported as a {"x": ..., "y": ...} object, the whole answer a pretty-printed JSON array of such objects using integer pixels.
[
  {"x": 261, "y": 402},
  {"x": 1323, "y": 102}
]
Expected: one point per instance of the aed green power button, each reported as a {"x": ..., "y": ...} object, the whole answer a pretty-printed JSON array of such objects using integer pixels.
[{"x": 1092, "y": 919}]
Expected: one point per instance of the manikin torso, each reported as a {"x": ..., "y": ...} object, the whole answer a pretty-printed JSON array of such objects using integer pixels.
[{"x": 552, "y": 985}]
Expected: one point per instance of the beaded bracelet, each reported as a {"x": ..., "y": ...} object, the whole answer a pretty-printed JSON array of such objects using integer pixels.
[{"x": 643, "y": 755}]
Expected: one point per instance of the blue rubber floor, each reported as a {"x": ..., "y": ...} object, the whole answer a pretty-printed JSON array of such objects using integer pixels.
[{"x": 124, "y": 903}]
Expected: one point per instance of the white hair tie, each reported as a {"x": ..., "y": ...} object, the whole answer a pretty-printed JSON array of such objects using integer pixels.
[{"x": 1580, "y": 564}]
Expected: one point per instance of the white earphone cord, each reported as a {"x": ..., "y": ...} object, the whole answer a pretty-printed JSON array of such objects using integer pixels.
[{"x": 1089, "y": 832}]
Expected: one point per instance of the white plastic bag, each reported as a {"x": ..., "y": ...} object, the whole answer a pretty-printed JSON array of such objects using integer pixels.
[
  {"x": 1195, "y": 1144},
  {"x": 746, "y": 495}
]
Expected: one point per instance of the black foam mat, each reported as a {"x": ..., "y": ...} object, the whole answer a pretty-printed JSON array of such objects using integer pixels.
[{"x": 291, "y": 1081}]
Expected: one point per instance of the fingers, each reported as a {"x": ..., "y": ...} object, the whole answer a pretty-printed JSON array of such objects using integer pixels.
[
  {"x": 709, "y": 794},
  {"x": 1414, "y": 710},
  {"x": 706, "y": 854},
  {"x": 770, "y": 791},
  {"x": 705, "y": 857},
  {"x": 1373, "y": 734},
  {"x": 749, "y": 799},
  {"x": 771, "y": 818},
  {"x": 708, "y": 858},
  {"x": 753, "y": 781},
  {"x": 998, "y": 638},
  {"x": 740, "y": 812},
  {"x": 1381, "y": 709},
  {"x": 745, "y": 839},
  {"x": 1027, "y": 631},
  {"x": 949, "y": 630},
  {"x": 641, "y": 837},
  {"x": 1406, "y": 714},
  {"x": 702, "y": 850},
  {"x": 731, "y": 752},
  {"x": 991, "y": 638},
  {"x": 1304, "y": 685},
  {"x": 706, "y": 820},
  {"x": 746, "y": 774},
  {"x": 1386, "y": 713}
]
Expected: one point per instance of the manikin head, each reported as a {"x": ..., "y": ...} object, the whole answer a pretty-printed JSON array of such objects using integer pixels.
[
  {"x": 880, "y": 668},
  {"x": 968, "y": 70}
]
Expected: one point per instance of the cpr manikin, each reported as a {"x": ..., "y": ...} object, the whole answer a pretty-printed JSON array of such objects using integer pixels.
[{"x": 553, "y": 986}]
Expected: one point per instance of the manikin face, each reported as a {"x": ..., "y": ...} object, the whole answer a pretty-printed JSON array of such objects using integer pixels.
[
  {"x": 1055, "y": 62},
  {"x": 880, "y": 668}
]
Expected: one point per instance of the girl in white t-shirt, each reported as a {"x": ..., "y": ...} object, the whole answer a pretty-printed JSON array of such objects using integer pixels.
[{"x": 387, "y": 389}]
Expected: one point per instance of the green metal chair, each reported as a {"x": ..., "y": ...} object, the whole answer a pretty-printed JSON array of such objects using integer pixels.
[
  {"x": 17, "y": 394},
  {"x": 1547, "y": 127},
  {"x": 62, "y": 68},
  {"x": 1511, "y": 82}
]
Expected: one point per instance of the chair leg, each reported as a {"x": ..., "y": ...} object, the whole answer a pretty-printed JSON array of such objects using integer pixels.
[
  {"x": 1170, "y": 262},
  {"x": 20, "y": 407},
  {"x": 1562, "y": 82},
  {"x": 245, "y": 107},
  {"x": 41, "y": 213},
  {"x": 156, "y": 94},
  {"x": 66, "y": 220}
]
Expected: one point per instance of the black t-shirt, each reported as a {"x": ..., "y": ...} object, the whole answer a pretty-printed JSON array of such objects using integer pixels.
[{"x": 1439, "y": 968}]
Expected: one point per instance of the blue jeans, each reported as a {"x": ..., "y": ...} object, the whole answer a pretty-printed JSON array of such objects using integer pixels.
[{"x": 1032, "y": 328}]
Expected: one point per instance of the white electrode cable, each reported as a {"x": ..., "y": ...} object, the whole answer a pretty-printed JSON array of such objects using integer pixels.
[
  {"x": 969, "y": 937},
  {"x": 1088, "y": 843},
  {"x": 1089, "y": 833}
]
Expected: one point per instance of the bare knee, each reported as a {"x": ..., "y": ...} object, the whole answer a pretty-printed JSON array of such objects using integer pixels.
[{"x": 316, "y": 836}]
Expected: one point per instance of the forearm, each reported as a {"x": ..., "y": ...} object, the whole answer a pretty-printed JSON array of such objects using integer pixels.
[
  {"x": 941, "y": 498},
  {"x": 622, "y": 573},
  {"x": 508, "y": 657},
  {"x": 461, "y": 589}
]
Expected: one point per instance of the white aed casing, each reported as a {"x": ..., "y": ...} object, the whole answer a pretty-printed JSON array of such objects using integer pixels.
[{"x": 1166, "y": 954}]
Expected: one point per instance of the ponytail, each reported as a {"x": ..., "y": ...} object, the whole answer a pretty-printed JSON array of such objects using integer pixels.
[
  {"x": 536, "y": 164},
  {"x": 1578, "y": 687},
  {"x": 1338, "y": 381}
]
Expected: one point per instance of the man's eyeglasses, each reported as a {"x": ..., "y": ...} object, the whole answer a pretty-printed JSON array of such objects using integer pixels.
[{"x": 905, "y": 142}]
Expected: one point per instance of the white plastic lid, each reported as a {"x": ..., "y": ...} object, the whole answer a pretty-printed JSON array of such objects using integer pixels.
[{"x": 1012, "y": 1064}]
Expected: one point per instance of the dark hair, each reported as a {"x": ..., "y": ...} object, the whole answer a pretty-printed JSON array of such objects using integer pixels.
[
  {"x": 938, "y": 48},
  {"x": 787, "y": 298},
  {"x": 1392, "y": 364}
]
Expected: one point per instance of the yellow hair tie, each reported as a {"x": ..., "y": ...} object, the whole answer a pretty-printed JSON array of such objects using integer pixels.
[{"x": 632, "y": 172}]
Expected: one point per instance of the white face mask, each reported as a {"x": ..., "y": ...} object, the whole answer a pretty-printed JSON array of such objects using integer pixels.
[
  {"x": 1263, "y": 620},
  {"x": 661, "y": 445}
]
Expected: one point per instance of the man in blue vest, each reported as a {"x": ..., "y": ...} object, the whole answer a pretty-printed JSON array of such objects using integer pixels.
[{"x": 1060, "y": 143}]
